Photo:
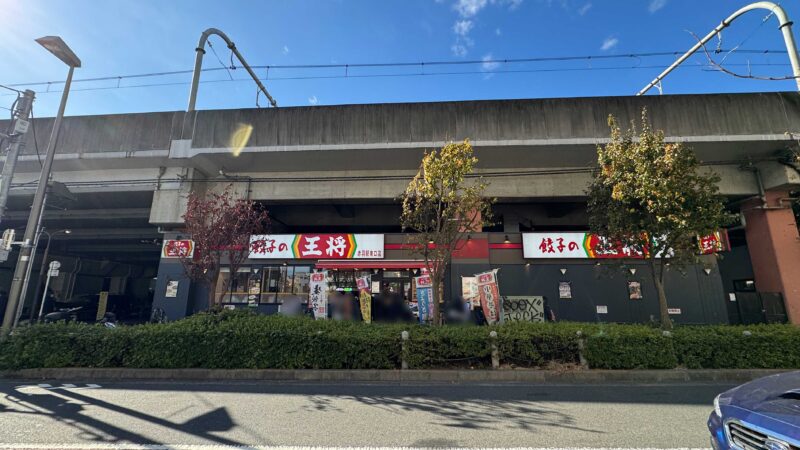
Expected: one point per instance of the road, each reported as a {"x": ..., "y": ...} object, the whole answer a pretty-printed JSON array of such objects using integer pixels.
[{"x": 208, "y": 415}]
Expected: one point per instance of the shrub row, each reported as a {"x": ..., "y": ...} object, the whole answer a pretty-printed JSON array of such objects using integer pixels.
[{"x": 235, "y": 339}]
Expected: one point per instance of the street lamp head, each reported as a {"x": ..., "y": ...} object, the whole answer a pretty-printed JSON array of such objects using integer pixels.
[
  {"x": 67, "y": 231},
  {"x": 60, "y": 49}
]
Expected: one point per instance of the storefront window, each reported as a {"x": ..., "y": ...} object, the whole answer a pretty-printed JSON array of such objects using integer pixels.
[
  {"x": 232, "y": 290},
  {"x": 263, "y": 284}
]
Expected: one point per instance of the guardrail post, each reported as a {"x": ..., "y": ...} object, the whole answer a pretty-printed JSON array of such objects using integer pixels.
[
  {"x": 495, "y": 352},
  {"x": 581, "y": 345},
  {"x": 404, "y": 350}
]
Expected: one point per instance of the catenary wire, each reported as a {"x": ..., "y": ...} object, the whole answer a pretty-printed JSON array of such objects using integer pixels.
[
  {"x": 404, "y": 75},
  {"x": 392, "y": 64}
]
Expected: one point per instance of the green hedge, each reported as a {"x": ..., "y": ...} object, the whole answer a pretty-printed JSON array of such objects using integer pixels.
[{"x": 237, "y": 339}]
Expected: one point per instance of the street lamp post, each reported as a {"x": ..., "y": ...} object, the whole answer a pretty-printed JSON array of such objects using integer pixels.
[
  {"x": 59, "y": 48},
  {"x": 42, "y": 269}
]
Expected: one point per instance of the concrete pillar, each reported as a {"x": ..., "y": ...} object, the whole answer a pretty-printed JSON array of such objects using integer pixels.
[{"x": 774, "y": 245}]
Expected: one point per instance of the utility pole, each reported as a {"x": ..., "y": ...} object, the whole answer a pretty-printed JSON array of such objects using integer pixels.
[
  {"x": 57, "y": 47},
  {"x": 17, "y": 130}
]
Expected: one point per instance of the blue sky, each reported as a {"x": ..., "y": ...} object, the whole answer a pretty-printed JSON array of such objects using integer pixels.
[{"x": 116, "y": 37}]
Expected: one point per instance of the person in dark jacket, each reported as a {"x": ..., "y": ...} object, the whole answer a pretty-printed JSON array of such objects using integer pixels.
[{"x": 549, "y": 315}]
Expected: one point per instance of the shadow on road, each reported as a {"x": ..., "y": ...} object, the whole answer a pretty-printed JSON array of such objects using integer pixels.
[{"x": 68, "y": 407}]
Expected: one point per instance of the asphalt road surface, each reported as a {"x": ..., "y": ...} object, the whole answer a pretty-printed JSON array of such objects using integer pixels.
[{"x": 213, "y": 415}]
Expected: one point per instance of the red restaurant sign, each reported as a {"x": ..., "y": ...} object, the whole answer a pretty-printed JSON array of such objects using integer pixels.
[
  {"x": 587, "y": 245},
  {"x": 177, "y": 248},
  {"x": 316, "y": 246}
]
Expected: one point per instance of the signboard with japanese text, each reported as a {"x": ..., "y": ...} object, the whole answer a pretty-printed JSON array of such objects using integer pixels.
[
  {"x": 523, "y": 309},
  {"x": 713, "y": 243},
  {"x": 587, "y": 245},
  {"x": 469, "y": 290},
  {"x": 365, "y": 299},
  {"x": 318, "y": 294},
  {"x": 316, "y": 246},
  {"x": 424, "y": 297},
  {"x": 177, "y": 248},
  {"x": 490, "y": 296}
]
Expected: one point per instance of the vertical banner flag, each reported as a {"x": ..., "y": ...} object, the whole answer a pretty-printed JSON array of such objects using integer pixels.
[
  {"x": 424, "y": 298},
  {"x": 469, "y": 290},
  {"x": 318, "y": 294},
  {"x": 490, "y": 296},
  {"x": 364, "y": 297}
]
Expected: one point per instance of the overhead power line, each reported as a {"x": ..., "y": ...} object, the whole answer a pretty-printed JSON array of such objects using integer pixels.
[
  {"x": 403, "y": 75},
  {"x": 420, "y": 64}
]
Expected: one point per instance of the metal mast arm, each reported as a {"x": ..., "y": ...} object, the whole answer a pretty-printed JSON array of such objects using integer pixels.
[
  {"x": 785, "y": 25},
  {"x": 198, "y": 64}
]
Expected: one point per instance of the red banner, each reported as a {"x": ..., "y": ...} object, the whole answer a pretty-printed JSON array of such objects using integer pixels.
[{"x": 490, "y": 296}]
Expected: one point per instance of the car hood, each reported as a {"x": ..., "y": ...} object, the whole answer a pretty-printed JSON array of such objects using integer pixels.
[{"x": 776, "y": 397}]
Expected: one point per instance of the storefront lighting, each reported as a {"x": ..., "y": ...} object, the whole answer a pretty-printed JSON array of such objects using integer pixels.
[
  {"x": 707, "y": 270},
  {"x": 632, "y": 270},
  {"x": 506, "y": 240},
  {"x": 527, "y": 264},
  {"x": 430, "y": 242},
  {"x": 563, "y": 270},
  {"x": 374, "y": 270}
]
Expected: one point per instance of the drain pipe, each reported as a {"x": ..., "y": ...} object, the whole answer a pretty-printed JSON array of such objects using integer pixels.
[
  {"x": 198, "y": 64},
  {"x": 785, "y": 25}
]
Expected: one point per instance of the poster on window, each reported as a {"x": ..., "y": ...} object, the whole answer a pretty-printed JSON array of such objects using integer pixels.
[
  {"x": 565, "y": 290},
  {"x": 318, "y": 294},
  {"x": 424, "y": 288},
  {"x": 490, "y": 296},
  {"x": 365, "y": 297},
  {"x": 523, "y": 309},
  {"x": 635, "y": 290},
  {"x": 469, "y": 290}
]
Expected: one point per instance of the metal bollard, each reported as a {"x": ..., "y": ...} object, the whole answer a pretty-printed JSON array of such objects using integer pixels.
[
  {"x": 581, "y": 346},
  {"x": 404, "y": 349},
  {"x": 495, "y": 352}
]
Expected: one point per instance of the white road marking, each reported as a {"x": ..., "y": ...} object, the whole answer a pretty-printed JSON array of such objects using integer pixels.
[
  {"x": 67, "y": 386},
  {"x": 92, "y": 446},
  {"x": 93, "y": 386},
  {"x": 44, "y": 386}
]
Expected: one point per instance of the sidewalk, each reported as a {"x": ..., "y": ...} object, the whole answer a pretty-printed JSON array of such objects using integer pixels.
[{"x": 734, "y": 376}]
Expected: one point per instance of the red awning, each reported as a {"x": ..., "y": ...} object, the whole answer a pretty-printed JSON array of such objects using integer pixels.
[{"x": 369, "y": 264}]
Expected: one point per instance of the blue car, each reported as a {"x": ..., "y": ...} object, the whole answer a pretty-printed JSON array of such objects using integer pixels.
[{"x": 762, "y": 414}]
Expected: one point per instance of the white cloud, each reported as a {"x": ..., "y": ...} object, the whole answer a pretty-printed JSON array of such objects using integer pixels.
[
  {"x": 655, "y": 5},
  {"x": 458, "y": 50},
  {"x": 313, "y": 100},
  {"x": 609, "y": 43},
  {"x": 469, "y": 8},
  {"x": 463, "y": 27},
  {"x": 497, "y": 31},
  {"x": 512, "y": 4},
  {"x": 584, "y": 9},
  {"x": 285, "y": 50},
  {"x": 488, "y": 65}
]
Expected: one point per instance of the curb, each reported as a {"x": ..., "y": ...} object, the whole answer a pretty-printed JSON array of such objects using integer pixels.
[{"x": 735, "y": 376}]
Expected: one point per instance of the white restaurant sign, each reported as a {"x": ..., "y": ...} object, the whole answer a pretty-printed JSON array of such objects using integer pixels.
[{"x": 316, "y": 246}]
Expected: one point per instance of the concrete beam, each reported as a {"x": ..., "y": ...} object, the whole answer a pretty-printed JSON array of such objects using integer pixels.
[{"x": 775, "y": 175}]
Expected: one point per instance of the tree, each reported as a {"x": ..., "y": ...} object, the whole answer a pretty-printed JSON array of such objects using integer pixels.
[
  {"x": 220, "y": 226},
  {"x": 649, "y": 196},
  {"x": 441, "y": 207}
]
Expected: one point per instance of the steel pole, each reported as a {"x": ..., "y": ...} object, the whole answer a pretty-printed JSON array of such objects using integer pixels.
[
  {"x": 24, "y": 294},
  {"x": 44, "y": 295},
  {"x": 785, "y": 25},
  {"x": 42, "y": 268},
  {"x": 198, "y": 65},
  {"x": 22, "y": 112},
  {"x": 25, "y": 251}
]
